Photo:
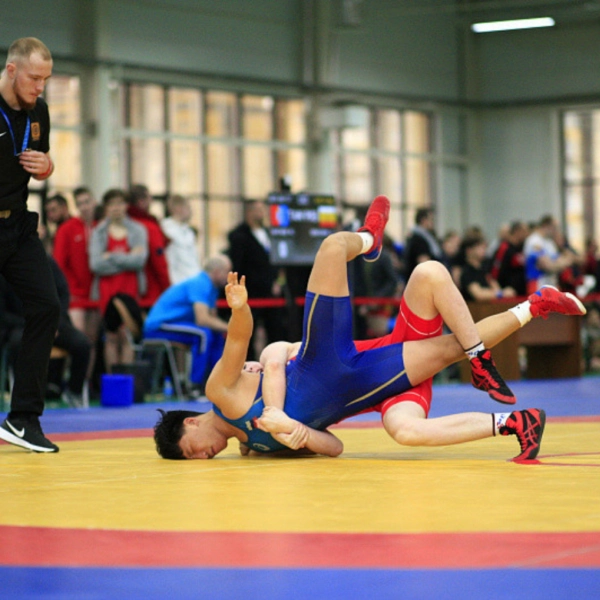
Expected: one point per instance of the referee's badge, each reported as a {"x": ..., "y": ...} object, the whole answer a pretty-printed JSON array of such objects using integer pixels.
[{"x": 35, "y": 132}]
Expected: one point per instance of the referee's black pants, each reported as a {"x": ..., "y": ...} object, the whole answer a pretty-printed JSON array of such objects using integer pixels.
[{"x": 24, "y": 264}]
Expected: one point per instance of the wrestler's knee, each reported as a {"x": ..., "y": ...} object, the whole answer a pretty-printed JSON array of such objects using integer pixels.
[
  {"x": 430, "y": 271},
  {"x": 332, "y": 245},
  {"x": 404, "y": 430}
]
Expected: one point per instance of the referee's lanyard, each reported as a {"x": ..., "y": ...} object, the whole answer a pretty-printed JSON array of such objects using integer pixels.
[{"x": 12, "y": 134}]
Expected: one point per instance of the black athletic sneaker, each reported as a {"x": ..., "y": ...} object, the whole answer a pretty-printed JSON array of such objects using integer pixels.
[
  {"x": 26, "y": 433},
  {"x": 528, "y": 426},
  {"x": 485, "y": 376}
]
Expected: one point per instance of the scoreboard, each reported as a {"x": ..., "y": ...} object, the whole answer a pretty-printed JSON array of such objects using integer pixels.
[{"x": 298, "y": 225}]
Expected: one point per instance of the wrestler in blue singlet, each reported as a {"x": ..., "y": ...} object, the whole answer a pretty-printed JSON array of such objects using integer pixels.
[{"x": 329, "y": 380}]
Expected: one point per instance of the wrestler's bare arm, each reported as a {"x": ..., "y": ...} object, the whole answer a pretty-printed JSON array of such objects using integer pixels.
[
  {"x": 296, "y": 435},
  {"x": 279, "y": 352},
  {"x": 225, "y": 383},
  {"x": 291, "y": 433},
  {"x": 274, "y": 359},
  {"x": 273, "y": 385}
]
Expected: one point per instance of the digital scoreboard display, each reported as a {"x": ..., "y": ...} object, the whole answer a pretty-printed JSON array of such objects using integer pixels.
[{"x": 299, "y": 223}]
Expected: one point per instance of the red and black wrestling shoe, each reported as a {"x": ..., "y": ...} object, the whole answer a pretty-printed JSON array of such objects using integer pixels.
[
  {"x": 485, "y": 376},
  {"x": 528, "y": 426}
]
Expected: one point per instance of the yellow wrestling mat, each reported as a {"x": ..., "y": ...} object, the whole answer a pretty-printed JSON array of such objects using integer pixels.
[{"x": 375, "y": 486}]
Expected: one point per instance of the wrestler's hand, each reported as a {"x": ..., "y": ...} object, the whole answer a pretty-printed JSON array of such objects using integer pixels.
[
  {"x": 235, "y": 291},
  {"x": 274, "y": 420},
  {"x": 295, "y": 440}
]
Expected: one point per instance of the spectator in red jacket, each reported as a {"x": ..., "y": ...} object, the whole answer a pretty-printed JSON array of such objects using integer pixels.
[
  {"x": 71, "y": 254},
  {"x": 508, "y": 263},
  {"x": 157, "y": 271}
]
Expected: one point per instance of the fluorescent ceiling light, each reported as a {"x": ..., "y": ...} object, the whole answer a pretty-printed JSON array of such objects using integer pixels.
[{"x": 514, "y": 24}]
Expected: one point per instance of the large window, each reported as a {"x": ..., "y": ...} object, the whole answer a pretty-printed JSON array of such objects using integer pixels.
[
  {"x": 389, "y": 154},
  {"x": 581, "y": 176},
  {"x": 215, "y": 148}
]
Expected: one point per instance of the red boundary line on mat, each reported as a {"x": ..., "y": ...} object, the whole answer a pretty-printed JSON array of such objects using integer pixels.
[{"x": 40, "y": 546}]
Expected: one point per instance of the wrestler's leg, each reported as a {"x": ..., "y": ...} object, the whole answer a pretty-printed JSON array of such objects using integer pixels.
[
  {"x": 405, "y": 422},
  {"x": 430, "y": 291},
  {"x": 425, "y": 358},
  {"x": 329, "y": 276},
  {"x": 409, "y": 425}
]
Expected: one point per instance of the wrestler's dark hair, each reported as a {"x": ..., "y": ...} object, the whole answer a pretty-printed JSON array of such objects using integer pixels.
[{"x": 169, "y": 430}]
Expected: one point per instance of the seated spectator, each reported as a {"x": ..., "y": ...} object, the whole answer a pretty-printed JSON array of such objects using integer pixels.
[
  {"x": 156, "y": 270},
  {"x": 590, "y": 337},
  {"x": 592, "y": 262},
  {"x": 450, "y": 251},
  {"x": 573, "y": 279},
  {"x": 492, "y": 248},
  {"x": 543, "y": 260},
  {"x": 508, "y": 263},
  {"x": 122, "y": 323},
  {"x": 471, "y": 231},
  {"x": 118, "y": 252},
  {"x": 67, "y": 338},
  {"x": 475, "y": 283},
  {"x": 182, "y": 250},
  {"x": 73, "y": 341},
  {"x": 186, "y": 313}
]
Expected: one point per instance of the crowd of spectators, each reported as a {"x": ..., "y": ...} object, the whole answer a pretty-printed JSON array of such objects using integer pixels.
[
  {"x": 522, "y": 258},
  {"x": 117, "y": 261}
]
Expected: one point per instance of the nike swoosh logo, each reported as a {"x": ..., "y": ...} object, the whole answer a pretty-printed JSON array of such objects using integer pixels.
[
  {"x": 3, "y": 133},
  {"x": 18, "y": 433}
]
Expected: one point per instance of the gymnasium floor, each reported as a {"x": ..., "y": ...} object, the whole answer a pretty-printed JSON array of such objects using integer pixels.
[{"x": 106, "y": 518}]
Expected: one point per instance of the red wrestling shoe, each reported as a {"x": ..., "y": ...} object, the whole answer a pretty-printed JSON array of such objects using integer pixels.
[
  {"x": 485, "y": 376},
  {"x": 528, "y": 426},
  {"x": 548, "y": 300},
  {"x": 375, "y": 222}
]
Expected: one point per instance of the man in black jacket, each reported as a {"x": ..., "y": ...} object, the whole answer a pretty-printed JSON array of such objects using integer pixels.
[
  {"x": 24, "y": 153},
  {"x": 422, "y": 243},
  {"x": 249, "y": 249}
]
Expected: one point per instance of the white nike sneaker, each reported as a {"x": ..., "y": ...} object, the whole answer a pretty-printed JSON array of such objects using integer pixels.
[{"x": 27, "y": 434}]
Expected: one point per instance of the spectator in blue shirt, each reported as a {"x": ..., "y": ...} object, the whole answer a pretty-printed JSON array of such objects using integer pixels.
[{"x": 186, "y": 313}]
